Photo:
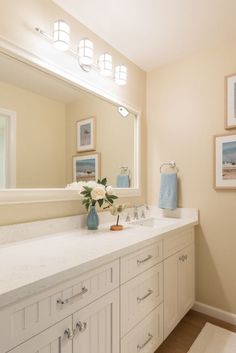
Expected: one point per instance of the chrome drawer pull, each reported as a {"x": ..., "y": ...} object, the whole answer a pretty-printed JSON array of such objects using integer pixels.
[
  {"x": 139, "y": 347},
  {"x": 139, "y": 300},
  {"x": 66, "y": 301},
  {"x": 149, "y": 257},
  {"x": 81, "y": 326},
  {"x": 69, "y": 333}
]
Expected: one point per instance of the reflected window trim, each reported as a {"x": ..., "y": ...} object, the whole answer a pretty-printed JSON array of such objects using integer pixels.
[{"x": 11, "y": 147}]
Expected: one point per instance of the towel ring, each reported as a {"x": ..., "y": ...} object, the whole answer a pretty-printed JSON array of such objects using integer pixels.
[{"x": 170, "y": 164}]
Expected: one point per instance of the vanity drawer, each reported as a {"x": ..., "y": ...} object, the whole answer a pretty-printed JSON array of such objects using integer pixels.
[
  {"x": 140, "y": 296},
  {"x": 177, "y": 241},
  {"x": 23, "y": 320},
  {"x": 147, "y": 336},
  {"x": 139, "y": 261}
]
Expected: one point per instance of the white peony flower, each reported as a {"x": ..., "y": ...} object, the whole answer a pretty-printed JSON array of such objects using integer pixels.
[
  {"x": 110, "y": 190},
  {"x": 98, "y": 193},
  {"x": 80, "y": 186},
  {"x": 73, "y": 186},
  {"x": 92, "y": 184}
]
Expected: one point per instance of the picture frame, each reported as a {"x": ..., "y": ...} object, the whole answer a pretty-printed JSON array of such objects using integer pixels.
[
  {"x": 86, "y": 135},
  {"x": 86, "y": 167},
  {"x": 230, "y": 102},
  {"x": 225, "y": 161}
]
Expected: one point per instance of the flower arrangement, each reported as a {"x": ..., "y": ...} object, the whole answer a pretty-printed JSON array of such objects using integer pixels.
[{"x": 95, "y": 192}]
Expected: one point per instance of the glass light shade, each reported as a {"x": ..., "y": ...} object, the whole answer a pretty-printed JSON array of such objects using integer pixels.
[
  {"x": 105, "y": 64},
  {"x": 121, "y": 75},
  {"x": 85, "y": 51},
  {"x": 61, "y": 35}
]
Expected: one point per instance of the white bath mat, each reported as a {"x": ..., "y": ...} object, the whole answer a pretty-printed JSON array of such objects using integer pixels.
[{"x": 214, "y": 339}]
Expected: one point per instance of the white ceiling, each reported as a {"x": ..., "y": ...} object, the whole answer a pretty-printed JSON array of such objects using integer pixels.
[
  {"x": 153, "y": 32},
  {"x": 21, "y": 75}
]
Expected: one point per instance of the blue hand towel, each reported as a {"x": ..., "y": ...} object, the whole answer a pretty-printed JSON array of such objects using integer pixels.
[
  {"x": 122, "y": 181},
  {"x": 168, "y": 191}
]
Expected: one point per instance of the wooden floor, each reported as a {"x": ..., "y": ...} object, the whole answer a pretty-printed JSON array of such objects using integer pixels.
[{"x": 185, "y": 333}]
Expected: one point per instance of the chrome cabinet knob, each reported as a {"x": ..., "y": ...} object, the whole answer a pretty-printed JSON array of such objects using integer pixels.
[
  {"x": 81, "y": 326},
  {"x": 69, "y": 333}
]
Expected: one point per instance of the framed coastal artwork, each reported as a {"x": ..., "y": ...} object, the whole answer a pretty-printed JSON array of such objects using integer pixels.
[
  {"x": 230, "y": 102},
  {"x": 86, "y": 135},
  {"x": 225, "y": 161},
  {"x": 86, "y": 167}
]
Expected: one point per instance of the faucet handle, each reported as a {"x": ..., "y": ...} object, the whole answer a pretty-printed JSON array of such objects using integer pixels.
[
  {"x": 128, "y": 219},
  {"x": 143, "y": 214}
]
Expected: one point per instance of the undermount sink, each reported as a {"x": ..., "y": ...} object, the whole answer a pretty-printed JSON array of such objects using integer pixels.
[{"x": 153, "y": 222}]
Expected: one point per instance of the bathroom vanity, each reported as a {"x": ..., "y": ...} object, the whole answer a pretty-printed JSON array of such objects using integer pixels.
[{"x": 99, "y": 292}]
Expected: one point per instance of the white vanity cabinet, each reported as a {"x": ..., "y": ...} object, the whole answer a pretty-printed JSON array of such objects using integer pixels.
[
  {"x": 128, "y": 305},
  {"x": 96, "y": 326},
  {"x": 92, "y": 329}
]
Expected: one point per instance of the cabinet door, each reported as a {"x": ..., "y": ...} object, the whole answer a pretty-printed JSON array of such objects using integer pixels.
[
  {"x": 179, "y": 290},
  {"x": 186, "y": 281},
  {"x": 53, "y": 340},
  {"x": 96, "y": 327},
  {"x": 171, "y": 293}
]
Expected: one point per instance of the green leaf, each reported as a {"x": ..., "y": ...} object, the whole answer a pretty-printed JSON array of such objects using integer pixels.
[
  {"x": 87, "y": 189},
  {"x": 114, "y": 197},
  {"x": 103, "y": 181},
  {"x": 100, "y": 202}
]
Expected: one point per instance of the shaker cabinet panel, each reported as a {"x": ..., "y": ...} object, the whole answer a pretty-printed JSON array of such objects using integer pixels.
[
  {"x": 140, "y": 261},
  {"x": 179, "y": 291},
  {"x": 147, "y": 336},
  {"x": 29, "y": 317},
  {"x": 96, "y": 327},
  {"x": 140, "y": 296},
  {"x": 53, "y": 340}
]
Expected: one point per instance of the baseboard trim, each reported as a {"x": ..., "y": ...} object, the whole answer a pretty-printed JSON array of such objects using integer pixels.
[{"x": 215, "y": 312}]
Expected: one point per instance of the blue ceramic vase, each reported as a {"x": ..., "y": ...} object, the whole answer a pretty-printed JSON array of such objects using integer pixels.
[{"x": 92, "y": 219}]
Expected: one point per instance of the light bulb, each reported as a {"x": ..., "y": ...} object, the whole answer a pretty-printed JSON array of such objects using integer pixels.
[
  {"x": 61, "y": 35},
  {"x": 121, "y": 75},
  {"x": 105, "y": 64}
]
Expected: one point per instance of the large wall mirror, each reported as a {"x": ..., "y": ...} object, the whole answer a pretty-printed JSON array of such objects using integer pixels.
[{"x": 53, "y": 133}]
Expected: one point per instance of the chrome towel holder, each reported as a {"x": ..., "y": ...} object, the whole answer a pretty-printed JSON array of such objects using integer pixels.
[{"x": 170, "y": 164}]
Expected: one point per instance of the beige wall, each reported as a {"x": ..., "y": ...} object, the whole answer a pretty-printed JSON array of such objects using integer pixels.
[
  {"x": 185, "y": 109},
  {"x": 114, "y": 135},
  {"x": 40, "y": 137},
  {"x": 17, "y": 20}
]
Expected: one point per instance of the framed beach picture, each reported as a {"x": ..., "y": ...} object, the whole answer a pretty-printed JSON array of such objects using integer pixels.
[
  {"x": 86, "y": 167},
  {"x": 225, "y": 161},
  {"x": 230, "y": 102},
  {"x": 86, "y": 131}
]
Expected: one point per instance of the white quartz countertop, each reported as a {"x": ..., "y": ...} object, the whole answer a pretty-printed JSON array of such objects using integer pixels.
[{"x": 33, "y": 265}]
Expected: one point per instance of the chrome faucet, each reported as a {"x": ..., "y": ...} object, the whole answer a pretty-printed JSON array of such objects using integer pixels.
[{"x": 136, "y": 212}]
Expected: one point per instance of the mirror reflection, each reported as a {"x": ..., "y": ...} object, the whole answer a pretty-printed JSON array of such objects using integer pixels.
[{"x": 61, "y": 134}]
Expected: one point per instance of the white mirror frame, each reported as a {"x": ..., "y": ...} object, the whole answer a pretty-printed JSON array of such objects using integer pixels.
[{"x": 15, "y": 196}]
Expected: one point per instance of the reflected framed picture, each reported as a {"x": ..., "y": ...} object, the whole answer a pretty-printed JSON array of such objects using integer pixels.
[
  {"x": 230, "y": 101},
  {"x": 86, "y": 167},
  {"x": 225, "y": 161},
  {"x": 86, "y": 135}
]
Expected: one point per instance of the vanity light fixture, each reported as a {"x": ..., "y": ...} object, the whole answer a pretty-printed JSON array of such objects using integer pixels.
[
  {"x": 121, "y": 75},
  {"x": 105, "y": 64},
  {"x": 61, "y": 35},
  {"x": 123, "y": 111},
  {"x": 84, "y": 53}
]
